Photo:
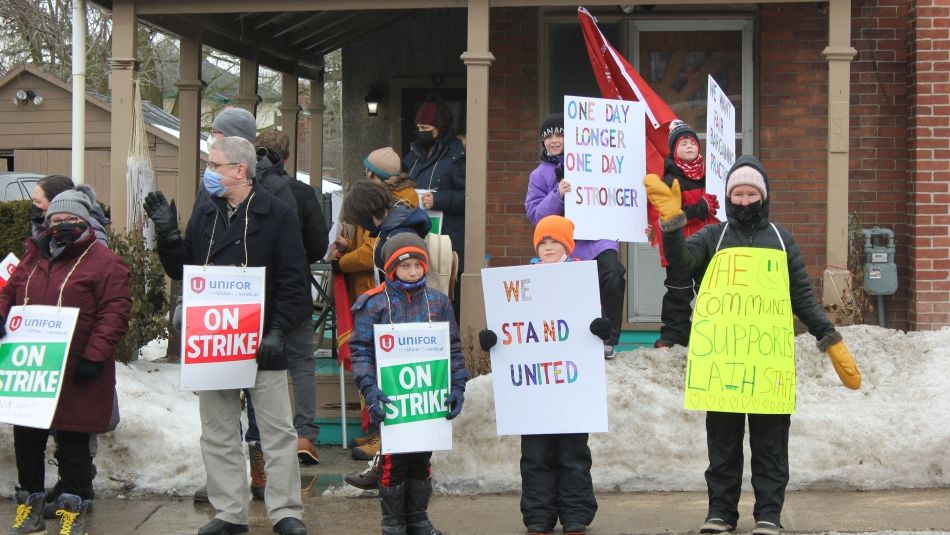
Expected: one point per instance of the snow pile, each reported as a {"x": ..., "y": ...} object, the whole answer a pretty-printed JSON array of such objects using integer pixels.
[{"x": 892, "y": 433}]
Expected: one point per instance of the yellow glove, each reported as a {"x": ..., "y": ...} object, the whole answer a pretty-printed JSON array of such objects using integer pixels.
[
  {"x": 844, "y": 365},
  {"x": 667, "y": 201}
]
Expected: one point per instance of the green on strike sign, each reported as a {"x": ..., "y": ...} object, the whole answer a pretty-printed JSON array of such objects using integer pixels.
[
  {"x": 417, "y": 391},
  {"x": 32, "y": 363},
  {"x": 413, "y": 370}
]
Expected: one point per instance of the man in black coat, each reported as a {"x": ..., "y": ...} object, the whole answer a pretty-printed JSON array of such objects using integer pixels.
[{"x": 243, "y": 224}]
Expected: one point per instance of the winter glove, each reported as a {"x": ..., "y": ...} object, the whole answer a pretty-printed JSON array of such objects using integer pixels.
[
  {"x": 374, "y": 399},
  {"x": 164, "y": 215},
  {"x": 700, "y": 210},
  {"x": 668, "y": 201},
  {"x": 271, "y": 351},
  {"x": 487, "y": 339},
  {"x": 87, "y": 370},
  {"x": 600, "y": 328},
  {"x": 841, "y": 359},
  {"x": 559, "y": 172},
  {"x": 335, "y": 266},
  {"x": 712, "y": 202},
  {"x": 454, "y": 401}
]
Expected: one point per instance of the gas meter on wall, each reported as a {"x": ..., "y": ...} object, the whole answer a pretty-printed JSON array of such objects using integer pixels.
[{"x": 880, "y": 271}]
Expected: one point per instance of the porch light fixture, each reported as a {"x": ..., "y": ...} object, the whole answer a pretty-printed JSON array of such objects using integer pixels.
[
  {"x": 372, "y": 101},
  {"x": 23, "y": 96}
]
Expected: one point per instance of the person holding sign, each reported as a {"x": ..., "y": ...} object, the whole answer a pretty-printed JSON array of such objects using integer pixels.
[
  {"x": 684, "y": 164},
  {"x": 555, "y": 469},
  {"x": 545, "y": 197},
  {"x": 404, "y": 485},
  {"x": 66, "y": 266},
  {"x": 240, "y": 223},
  {"x": 753, "y": 280}
]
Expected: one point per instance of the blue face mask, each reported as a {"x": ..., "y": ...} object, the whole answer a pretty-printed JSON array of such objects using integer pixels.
[{"x": 212, "y": 183}]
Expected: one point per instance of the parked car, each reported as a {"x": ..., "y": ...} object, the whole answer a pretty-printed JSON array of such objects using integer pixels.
[{"x": 16, "y": 186}]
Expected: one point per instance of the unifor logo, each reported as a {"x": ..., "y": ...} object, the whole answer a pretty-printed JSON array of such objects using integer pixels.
[
  {"x": 15, "y": 322},
  {"x": 197, "y": 284},
  {"x": 387, "y": 342}
]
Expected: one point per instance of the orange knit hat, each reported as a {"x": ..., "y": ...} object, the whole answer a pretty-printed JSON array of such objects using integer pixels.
[{"x": 559, "y": 229}]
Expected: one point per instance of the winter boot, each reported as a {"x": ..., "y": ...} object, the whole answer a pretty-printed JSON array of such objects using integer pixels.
[
  {"x": 418, "y": 492},
  {"x": 29, "y": 513},
  {"x": 393, "y": 503},
  {"x": 258, "y": 475},
  {"x": 72, "y": 514},
  {"x": 362, "y": 441},
  {"x": 368, "y": 450},
  {"x": 367, "y": 479}
]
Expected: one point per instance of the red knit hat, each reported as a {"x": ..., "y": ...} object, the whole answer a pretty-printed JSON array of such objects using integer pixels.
[
  {"x": 428, "y": 114},
  {"x": 559, "y": 229}
]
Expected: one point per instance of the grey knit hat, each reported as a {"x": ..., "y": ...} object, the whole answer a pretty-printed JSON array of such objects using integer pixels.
[
  {"x": 403, "y": 246},
  {"x": 236, "y": 122},
  {"x": 72, "y": 202}
]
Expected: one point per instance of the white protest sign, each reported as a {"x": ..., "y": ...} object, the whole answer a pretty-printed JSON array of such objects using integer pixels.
[
  {"x": 32, "y": 363},
  {"x": 7, "y": 267},
  {"x": 413, "y": 369},
  {"x": 222, "y": 321},
  {"x": 720, "y": 140},
  {"x": 604, "y": 161},
  {"x": 547, "y": 368}
]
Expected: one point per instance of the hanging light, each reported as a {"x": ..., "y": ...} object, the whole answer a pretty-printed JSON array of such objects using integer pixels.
[{"x": 372, "y": 101}]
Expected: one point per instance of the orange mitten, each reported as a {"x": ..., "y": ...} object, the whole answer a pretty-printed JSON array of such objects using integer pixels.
[
  {"x": 667, "y": 201},
  {"x": 844, "y": 365}
]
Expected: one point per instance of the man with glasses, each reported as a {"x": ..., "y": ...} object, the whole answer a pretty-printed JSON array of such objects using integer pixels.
[{"x": 241, "y": 223}]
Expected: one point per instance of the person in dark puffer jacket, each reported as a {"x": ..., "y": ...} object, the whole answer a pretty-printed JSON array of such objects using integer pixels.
[
  {"x": 404, "y": 484},
  {"x": 748, "y": 226}
]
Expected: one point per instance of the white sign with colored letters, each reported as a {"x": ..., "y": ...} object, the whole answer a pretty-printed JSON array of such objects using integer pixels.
[
  {"x": 547, "y": 368},
  {"x": 414, "y": 370},
  {"x": 604, "y": 161},
  {"x": 222, "y": 322},
  {"x": 33, "y": 361}
]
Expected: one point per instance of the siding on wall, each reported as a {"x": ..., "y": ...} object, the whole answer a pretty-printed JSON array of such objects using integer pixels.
[{"x": 59, "y": 162}]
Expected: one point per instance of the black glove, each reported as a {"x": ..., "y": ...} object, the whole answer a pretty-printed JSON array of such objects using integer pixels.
[
  {"x": 559, "y": 172},
  {"x": 87, "y": 370},
  {"x": 164, "y": 215},
  {"x": 700, "y": 210},
  {"x": 270, "y": 354},
  {"x": 374, "y": 399},
  {"x": 600, "y": 328},
  {"x": 335, "y": 266},
  {"x": 3, "y": 327},
  {"x": 454, "y": 402},
  {"x": 487, "y": 339}
]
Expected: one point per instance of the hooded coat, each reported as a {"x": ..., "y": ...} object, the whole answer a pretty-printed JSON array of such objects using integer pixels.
[{"x": 443, "y": 172}]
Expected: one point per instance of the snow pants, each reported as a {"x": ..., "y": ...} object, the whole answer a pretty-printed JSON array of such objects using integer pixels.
[
  {"x": 556, "y": 482},
  {"x": 681, "y": 286},
  {"x": 398, "y": 467},
  {"x": 768, "y": 440},
  {"x": 75, "y": 464},
  {"x": 612, "y": 277}
]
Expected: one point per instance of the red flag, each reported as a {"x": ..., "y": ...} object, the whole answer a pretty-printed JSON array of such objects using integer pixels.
[
  {"x": 619, "y": 80},
  {"x": 344, "y": 320}
]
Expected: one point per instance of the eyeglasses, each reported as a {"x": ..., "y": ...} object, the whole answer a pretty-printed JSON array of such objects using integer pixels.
[
  {"x": 53, "y": 221},
  {"x": 214, "y": 166}
]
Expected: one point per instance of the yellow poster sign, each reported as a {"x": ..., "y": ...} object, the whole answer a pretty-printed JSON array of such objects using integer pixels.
[{"x": 742, "y": 345}]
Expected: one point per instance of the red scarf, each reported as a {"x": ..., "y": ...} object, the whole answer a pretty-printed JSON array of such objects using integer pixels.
[{"x": 694, "y": 170}]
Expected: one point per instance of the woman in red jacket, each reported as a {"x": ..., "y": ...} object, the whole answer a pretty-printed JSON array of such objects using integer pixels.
[{"x": 66, "y": 262}]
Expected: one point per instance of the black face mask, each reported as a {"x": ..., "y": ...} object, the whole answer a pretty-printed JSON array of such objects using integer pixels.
[
  {"x": 37, "y": 216},
  {"x": 747, "y": 215},
  {"x": 425, "y": 137},
  {"x": 66, "y": 233}
]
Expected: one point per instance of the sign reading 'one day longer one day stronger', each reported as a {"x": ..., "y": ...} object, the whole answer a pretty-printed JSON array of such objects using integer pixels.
[
  {"x": 32, "y": 363},
  {"x": 741, "y": 355},
  {"x": 413, "y": 370},
  {"x": 222, "y": 321}
]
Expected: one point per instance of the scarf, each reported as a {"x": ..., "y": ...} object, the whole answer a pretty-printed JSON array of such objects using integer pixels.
[{"x": 694, "y": 170}]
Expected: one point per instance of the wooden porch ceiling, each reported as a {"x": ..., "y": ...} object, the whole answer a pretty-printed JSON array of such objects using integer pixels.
[{"x": 289, "y": 42}]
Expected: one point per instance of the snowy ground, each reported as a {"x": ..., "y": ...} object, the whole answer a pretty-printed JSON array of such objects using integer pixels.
[{"x": 892, "y": 433}]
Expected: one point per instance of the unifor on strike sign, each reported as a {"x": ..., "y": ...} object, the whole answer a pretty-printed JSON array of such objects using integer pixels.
[
  {"x": 222, "y": 320},
  {"x": 413, "y": 370},
  {"x": 32, "y": 362}
]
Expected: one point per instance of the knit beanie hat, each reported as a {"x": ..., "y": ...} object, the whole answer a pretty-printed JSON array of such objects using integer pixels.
[
  {"x": 72, "y": 202},
  {"x": 746, "y": 175},
  {"x": 553, "y": 123},
  {"x": 558, "y": 228},
  {"x": 679, "y": 129},
  {"x": 404, "y": 246},
  {"x": 428, "y": 114},
  {"x": 236, "y": 122},
  {"x": 383, "y": 162}
]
